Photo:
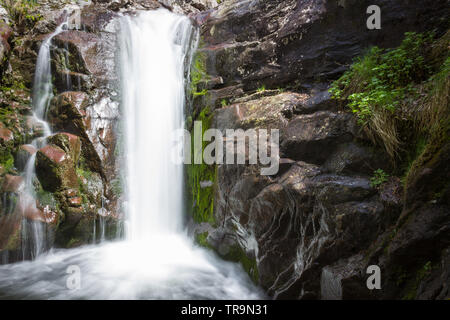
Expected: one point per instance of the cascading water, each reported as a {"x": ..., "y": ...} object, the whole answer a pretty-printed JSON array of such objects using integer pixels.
[
  {"x": 157, "y": 260},
  {"x": 33, "y": 232},
  {"x": 154, "y": 48}
]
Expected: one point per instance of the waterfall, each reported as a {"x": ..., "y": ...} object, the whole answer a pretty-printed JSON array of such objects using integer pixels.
[
  {"x": 33, "y": 232},
  {"x": 157, "y": 260},
  {"x": 153, "y": 51}
]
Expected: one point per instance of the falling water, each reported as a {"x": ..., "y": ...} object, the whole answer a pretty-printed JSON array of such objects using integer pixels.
[
  {"x": 33, "y": 232},
  {"x": 154, "y": 48},
  {"x": 157, "y": 260}
]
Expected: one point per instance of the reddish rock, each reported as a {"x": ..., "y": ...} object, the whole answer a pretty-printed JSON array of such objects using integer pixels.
[
  {"x": 5, "y": 33},
  {"x": 71, "y": 193},
  {"x": 53, "y": 153},
  {"x": 12, "y": 183},
  {"x": 69, "y": 143},
  {"x": 6, "y": 135},
  {"x": 24, "y": 153},
  {"x": 75, "y": 202},
  {"x": 55, "y": 169},
  {"x": 31, "y": 212}
]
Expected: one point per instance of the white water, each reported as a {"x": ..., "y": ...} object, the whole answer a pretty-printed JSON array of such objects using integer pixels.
[
  {"x": 33, "y": 232},
  {"x": 153, "y": 52},
  {"x": 157, "y": 260}
]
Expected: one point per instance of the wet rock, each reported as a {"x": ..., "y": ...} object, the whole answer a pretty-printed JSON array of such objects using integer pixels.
[
  {"x": 12, "y": 184},
  {"x": 75, "y": 202},
  {"x": 319, "y": 101},
  {"x": 5, "y": 33},
  {"x": 69, "y": 143},
  {"x": 6, "y": 135},
  {"x": 55, "y": 168},
  {"x": 313, "y": 138},
  {"x": 24, "y": 153},
  {"x": 89, "y": 54},
  {"x": 306, "y": 42},
  {"x": 345, "y": 280},
  {"x": 67, "y": 112},
  {"x": 267, "y": 112},
  {"x": 351, "y": 158}
]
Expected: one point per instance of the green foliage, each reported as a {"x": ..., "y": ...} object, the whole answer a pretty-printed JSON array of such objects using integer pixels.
[
  {"x": 382, "y": 79},
  {"x": 261, "y": 89},
  {"x": 6, "y": 159},
  {"x": 83, "y": 172},
  {"x": 202, "y": 199},
  {"x": 379, "y": 177},
  {"x": 224, "y": 103},
  {"x": 383, "y": 88},
  {"x": 21, "y": 12}
]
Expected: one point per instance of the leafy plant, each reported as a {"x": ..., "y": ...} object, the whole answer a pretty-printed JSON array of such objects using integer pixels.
[
  {"x": 379, "y": 177},
  {"x": 381, "y": 83},
  {"x": 261, "y": 89},
  {"x": 21, "y": 12}
]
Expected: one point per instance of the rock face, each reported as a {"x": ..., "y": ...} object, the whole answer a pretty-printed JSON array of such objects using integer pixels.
[
  {"x": 311, "y": 231},
  {"x": 74, "y": 169},
  {"x": 295, "y": 43}
]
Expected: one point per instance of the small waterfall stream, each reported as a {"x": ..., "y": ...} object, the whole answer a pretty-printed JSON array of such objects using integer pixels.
[
  {"x": 157, "y": 260},
  {"x": 33, "y": 232}
]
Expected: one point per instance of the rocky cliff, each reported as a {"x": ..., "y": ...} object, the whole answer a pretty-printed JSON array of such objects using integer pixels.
[{"x": 312, "y": 230}]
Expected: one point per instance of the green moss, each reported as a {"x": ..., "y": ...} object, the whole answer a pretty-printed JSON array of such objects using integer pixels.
[
  {"x": 84, "y": 173},
  {"x": 236, "y": 254},
  {"x": 6, "y": 159},
  {"x": 117, "y": 186},
  {"x": 413, "y": 284},
  {"x": 198, "y": 74},
  {"x": 14, "y": 241},
  {"x": 200, "y": 239},
  {"x": 202, "y": 199},
  {"x": 46, "y": 198}
]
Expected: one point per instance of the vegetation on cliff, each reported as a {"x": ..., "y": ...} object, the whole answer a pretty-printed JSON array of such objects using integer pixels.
[{"x": 400, "y": 96}]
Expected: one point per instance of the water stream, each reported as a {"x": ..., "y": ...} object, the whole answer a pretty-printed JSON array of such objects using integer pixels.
[{"x": 157, "y": 260}]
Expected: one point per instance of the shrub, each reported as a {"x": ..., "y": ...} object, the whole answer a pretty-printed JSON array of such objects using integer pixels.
[
  {"x": 384, "y": 89},
  {"x": 379, "y": 177}
]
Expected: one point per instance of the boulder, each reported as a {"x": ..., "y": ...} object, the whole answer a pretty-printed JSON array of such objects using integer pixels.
[
  {"x": 6, "y": 135},
  {"x": 55, "y": 168},
  {"x": 67, "y": 112},
  {"x": 69, "y": 143},
  {"x": 266, "y": 112},
  {"x": 314, "y": 137}
]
